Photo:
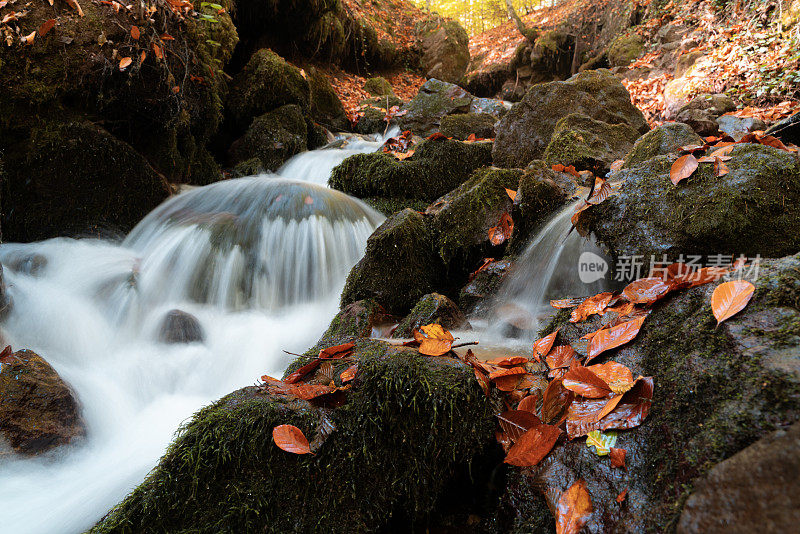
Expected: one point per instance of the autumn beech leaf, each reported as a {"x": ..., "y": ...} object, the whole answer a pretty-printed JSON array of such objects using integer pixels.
[
  {"x": 511, "y": 194},
  {"x": 618, "y": 377},
  {"x": 516, "y": 422},
  {"x": 290, "y": 439},
  {"x": 730, "y": 298},
  {"x": 611, "y": 338},
  {"x": 562, "y": 356},
  {"x": 602, "y": 442},
  {"x": 683, "y": 168},
  {"x": 135, "y": 33},
  {"x": 46, "y": 27},
  {"x": 585, "y": 383},
  {"x": 645, "y": 290},
  {"x": 502, "y": 371},
  {"x": 7, "y": 356},
  {"x": 720, "y": 169},
  {"x": 565, "y": 303},
  {"x": 556, "y": 402},
  {"x": 336, "y": 352},
  {"x": 157, "y": 51},
  {"x": 309, "y": 391},
  {"x": 530, "y": 403},
  {"x": 508, "y": 361},
  {"x": 28, "y": 39},
  {"x": 483, "y": 380},
  {"x": 617, "y": 457},
  {"x": 590, "y": 306},
  {"x": 76, "y": 6},
  {"x": 602, "y": 190},
  {"x": 436, "y": 341},
  {"x": 533, "y": 446},
  {"x": 574, "y": 509},
  {"x": 631, "y": 410},
  {"x": 543, "y": 346},
  {"x": 500, "y": 233},
  {"x": 349, "y": 373},
  {"x": 124, "y": 63}
]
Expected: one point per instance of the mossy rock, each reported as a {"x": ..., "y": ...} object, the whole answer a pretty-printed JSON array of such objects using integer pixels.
[
  {"x": 354, "y": 321},
  {"x": 541, "y": 193},
  {"x": 326, "y": 108},
  {"x": 665, "y": 139},
  {"x": 474, "y": 298},
  {"x": 751, "y": 210},
  {"x": 272, "y": 138},
  {"x": 432, "y": 308},
  {"x": 445, "y": 49},
  {"x": 524, "y": 133},
  {"x": 436, "y": 99},
  {"x": 76, "y": 179},
  {"x": 409, "y": 423},
  {"x": 379, "y": 86},
  {"x": 389, "y": 206},
  {"x": 399, "y": 266},
  {"x": 381, "y": 175},
  {"x": 249, "y": 167},
  {"x": 625, "y": 49},
  {"x": 266, "y": 83},
  {"x": 718, "y": 389},
  {"x": 589, "y": 144},
  {"x": 461, "y": 125},
  {"x": 373, "y": 110}
]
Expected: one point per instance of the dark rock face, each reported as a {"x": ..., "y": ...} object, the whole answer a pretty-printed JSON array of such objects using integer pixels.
[
  {"x": 445, "y": 49},
  {"x": 38, "y": 410},
  {"x": 665, "y": 139},
  {"x": 180, "y": 327},
  {"x": 541, "y": 193},
  {"x": 462, "y": 125},
  {"x": 372, "y": 121},
  {"x": 272, "y": 138},
  {"x": 474, "y": 296},
  {"x": 788, "y": 130},
  {"x": 5, "y": 299},
  {"x": 701, "y": 113},
  {"x": 524, "y": 133},
  {"x": 326, "y": 108},
  {"x": 432, "y": 308},
  {"x": 73, "y": 179},
  {"x": 435, "y": 100},
  {"x": 751, "y": 210},
  {"x": 755, "y": 490},
  {"x": 354, "y": 321}
]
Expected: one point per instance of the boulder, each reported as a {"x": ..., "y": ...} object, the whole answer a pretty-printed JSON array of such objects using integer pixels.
[
  {"x": 751, "y": 210},
  {"x": 541, "y": 193},
  {"x": 435, "y": 100},
  {"x": 38, "y": 411},
  {"x": 399, "y": 266},
  {"x": 75, "y": 179},
  {"x": 524, "y": 133},
  {"x": 461, "y": 125},
  {"x": 490, "y": 106},
  {"x": 326, "y": 108},
  {"x": 382, "y": 175},
  {"x": 717, "y": 390},
  {"x": 445, "y": 49},
  {"x": 787, "y": 130},
  {"x": 408, "y": 426},
  {"x": 272, "y": 138},
  {"x": 589, "y": 144},
  {"x": 625, "y": 49},
  {"x": 702, "y": 111},
  {"x": 180, "y": 327},
  {"x": 738, "y": 127},
  {"x": 475, "y": 296},
  {"x": 432, "y": 308},
  {"x": 753, "y": 490},
  {"x": 373, "y": 111},
  {"x": 379, "y": 86},
  {"x": 356, "y": 320},
  {"x": 665, "y": 139}
]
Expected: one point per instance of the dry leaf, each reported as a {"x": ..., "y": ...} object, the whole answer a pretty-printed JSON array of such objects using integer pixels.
[
  {"x": 76, "y": 6},
  {"x": 574, "y": 509},
  {"x": 730, "y": 298},
  {"x": 124, "y": 63},
  {"x": 683, "y": 168},
  {"x": 511, "y": 194},
  {"x": 46, "y": 27},
  {"x": 135, "y": 32},
  {"x": 28, "y": 39},
  {"x": 291, "y": 439}
]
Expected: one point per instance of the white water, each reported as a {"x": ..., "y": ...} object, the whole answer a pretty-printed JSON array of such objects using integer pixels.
[{"x": 259, "y": 261}]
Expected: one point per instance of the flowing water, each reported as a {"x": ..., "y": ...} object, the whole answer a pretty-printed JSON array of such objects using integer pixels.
[{"x": 259, "y": 261}]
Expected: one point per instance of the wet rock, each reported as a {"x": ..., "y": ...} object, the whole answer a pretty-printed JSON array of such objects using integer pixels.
[
  {"x": 432, "y": 308},
  {"x": 701, "y": 113},
  {"x": 5, "y": 298},
  {"x": 735, "y": 214},
  {"x": 738, "y": 127},
  {"x": 589, "y": 144},
  {"x": 490, "y": 106},
  {"x": 524, "y": 133},
  {"x": 404, "y": 415},
  {"x": 753, "y": 490},
  {"x": 461, "y": 125},
  {"x": 38, "y": 411},
  {"x": 373, "y": 112},
  {"x": 180, "y": 327},
  {"x": 272, "y": 138},
  {"x": 356, "y": 320},
  {"x": 46, "y": 192},
  {"x": 325, "y": 106},
  {"x": 445, "y": 49},
  {"x": 382, "y": 175},
  {"x": 435, "y": 100},
  {"x": 788, "y": 130},
  {"x": 541, "y": 193},
  {"x": 379, "y": 86},
  {"x": 399, "y": 266},
  {"x": 474, "y": 298},
  {"x": 665, "y": 139}
]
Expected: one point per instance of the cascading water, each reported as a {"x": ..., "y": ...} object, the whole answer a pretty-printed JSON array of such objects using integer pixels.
[{"x": 258, "y": 261}]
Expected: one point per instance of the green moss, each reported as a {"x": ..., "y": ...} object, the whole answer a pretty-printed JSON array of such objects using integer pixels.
[
  {"x": 432, "y": 308},
  {"x": 326, "y": 108},
  {"x": 389, "y": 206},
  {"x": 461, "y": 125},
  {"x": 373, "y": 112},
  {"x": 379, "y": 86},
  {"x": 273, "y": 137},
  {"x": 624, "y": 49},
  {"x": 408, "y": 421},
  {"x": 588, "y": 144},
  {"x": 665, "y": 139}
]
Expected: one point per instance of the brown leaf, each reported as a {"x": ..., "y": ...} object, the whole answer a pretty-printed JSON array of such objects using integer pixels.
[
  {"x": 683, "y": 168},
  {"x": 157, "y": 51},
  {"x": 602, "y": 190},
  {"x": 502, "y": 371},
  {"x": 556, "y": 402},
  {"x": 585, "y": 383},
  {"x": 622, "y": 495},
  {"x": 135, "y": 33},
  {"x": 7, "y": 356},
  {"x": 530, "y": 403},
  {"x": 336, "y": 352},
  {"x": 291, "y": 439},
  {"x": 533, "y": 445},
  {"x": 438, "y": 136},
  {"x": 124, "y": 63},
  {"x": 511, "y": 194},
  {"x": 720, "y": 169},
  {"x": 434, "y": 347},
  {"x": 483, "y": 380},
  {"x": 46, "y": 27},
  {"x": 543, "y": 346},
  {"x": 618, "y": 377},
  {"x": 349, "y": 373},
  {"x": 309, "y": 391},
  {"x": 574, "y": 509},
  {"x": 508, "y": 361},
  {"x": 611, "y": 338},
  {"x": 76, "y": 6},
  {"x": 629, "y": 413},
  {"x": 645, "y": 290},
  {"x": 28, "y": 39},
  {"x": 516, "y": 422},
  {"x": 730, "y": 298},
  {"x": 617, "y": 457},
  {"x": 590, "y": 306},
  {"x": 562, "y": 356}
]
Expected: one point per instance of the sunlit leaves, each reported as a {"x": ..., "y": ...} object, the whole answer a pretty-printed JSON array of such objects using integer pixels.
[
  {"x": 683, "y": 168},
  {"x": 730, "y": 298},
  {"x": 433, "y": 340},
  {"x": 611, "y": 338}
]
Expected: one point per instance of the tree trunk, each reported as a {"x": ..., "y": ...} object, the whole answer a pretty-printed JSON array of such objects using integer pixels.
[{"x": 530, "y": 35}]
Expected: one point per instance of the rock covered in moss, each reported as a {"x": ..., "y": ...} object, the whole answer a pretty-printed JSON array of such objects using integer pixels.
[
  {"x": 435, "y": 100},
  {"x": 474, "y": 297},
  {"x": 432, "y": 308},
  {"x": 272, "y": 138},
  {"x": 751, "y": 210},
  {"x": 588, "y": 144},
  {"x": 372, "y": 113},
  {"x": 541, "y": 193},
  {"x": 717, "y": 391},
  {"x": 702, "y": 111},
  {"x": 625, "y": 49},
  {"x": 524, "y": 133},
  {"x": 738, "y": 127},
  {"x": 76, "y": 178},
  {"x": 445, "y": 49},
  {"x": 408, "y": 424},
  {"x": 379, "y": 86},
  {"x": 399, "y": 266},
  {"x": 490, "y": 106},
  {"x": 665, "y": 139},
  {"x": 462, "y": 125},
  {"x": 39, "y": 411},
  {"x": 326, "y": 108},
  {"x": 356, "y": 320},
  {"x": 382, "y": 175}
]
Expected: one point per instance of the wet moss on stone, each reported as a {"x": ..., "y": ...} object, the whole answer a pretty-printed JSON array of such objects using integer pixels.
[
  {"x": 588, "y": 144},
  {"x": 326, "y": 108},
  {"x": 461, "y": 125},
  {"x": 665, "y": 139},
  {"x": 379, "y": 86},
  {"x": 273, "y": 138},
  {"x": 624, "y": 49}
]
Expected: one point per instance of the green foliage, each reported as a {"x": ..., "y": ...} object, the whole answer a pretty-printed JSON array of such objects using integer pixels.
[{"x": 477, "y": 16}]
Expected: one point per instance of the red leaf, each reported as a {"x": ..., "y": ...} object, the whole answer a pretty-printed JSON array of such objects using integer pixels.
[
  {"x": 483, "y": 380},
  {"x": 291, "y": 439},
  {"x": 683, "y": 168},
  {"x": 645, "y": 290},
  {"x": 585, "y": 383},
  {"x": 613, "y": 337},
  {"x": 730, "y": 298},
  {"x": 622, "y": 495},
  {"x": 309, "y": 391},
  {"x": 534, "y": 445},
  {"x": 543, "y": 346},
  {"x": 629, "y": 413},
  {"x": 530, "y": 403},
  {"x": 46, "y": 27},
  {"x": 516, "y": 422},
  {"x": 336, "y": 352},
  {"x": 574, "y": 509},
  {"x": 562, "y": 356},
  {"x": 556, "y": 402},
  {"x": 135, "y": 33},
  {"x": 590, "y": 306},
  {"x": 617, "y": 457},
  {"x": 438, "y": 136},
  {"x": 7, "y": 356}
]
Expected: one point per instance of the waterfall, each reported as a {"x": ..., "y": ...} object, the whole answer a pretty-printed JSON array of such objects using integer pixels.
[{"x": 259, "y": 261}]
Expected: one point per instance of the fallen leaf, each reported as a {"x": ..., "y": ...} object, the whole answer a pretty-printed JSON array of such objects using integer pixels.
[
  {"x": 349, "y": 373},
  {"x": 534, "y": 445},
  {"x": 562, "y": 356},
  {"x": 309, "y": 391},
  {"x": 632, "y": 409},
  {"x": 730, "y": 298},
  {"x": 683, "y": 168},
  {"x": 135, "y": 33},
  {"x": 28, "y": 39},
  {"x": 46, "y": 27},
  {"x": 617, "y": 457},
  {"x": 76, "y": 6},
  {"x": 602, "y": 190},
  {"x": 574, "y": 509},
  {"x": 720, "y": 169},
  {"x": 618, "y": 377},
  {"x": 622, "y": 495},
  {"x": 500, "y": 233},
  {"x": 585, "y": 383},
  {"x": 602, "y": 442},
  {"x": 157, "y": 51},
  {"x": 124, "y": 63},
  {"x": 502, "y": 371},
  {"x": 556, "y": 402},
  {"x": 590, "y": 306},
  {"x": 336, "y": 352},
  {"x": 565, "y": 303},
  {"x": 645, "y": 290},
  {"x": 7, "y": 356},
  {"x": 291, "y": 439},
  {"x": 530, "y": 403},
  {"x": 515, "y": 423},
  {"x": 543, "y": 346},
  {"x": 434, "y": 347},
  {"x": 483, "y": 380},
  {"x": 438, "y": 136},
  {"x": 508, "y": 360},
  {"x": 511, "y": 194},
  {"x": 611, "y": 338}
]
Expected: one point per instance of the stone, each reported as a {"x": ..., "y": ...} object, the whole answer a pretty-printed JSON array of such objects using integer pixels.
[
  {"x": 475, "y": 297},
  {"x": 665, "y": 139},
  {"x": 445, "y": 50},
  {"x": 625, "y": 49},
  {"x": 379, "y": 86},
  {"x": 738, "y": 127},
  {"x": 272, "y": 138},
  {"x": 700, "y": 120},
  {"x": 788, "y": 130},
  {"x": 461, "y": 125},
  {"x": 325, "y": 107},
  {"x": 180, "y": 327},
  {"x": 432, "y": 308},
  {"x": 436, "y": 99}
]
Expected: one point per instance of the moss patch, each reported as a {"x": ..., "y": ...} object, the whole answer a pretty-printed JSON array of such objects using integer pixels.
[{"x": 461, "y": 125}]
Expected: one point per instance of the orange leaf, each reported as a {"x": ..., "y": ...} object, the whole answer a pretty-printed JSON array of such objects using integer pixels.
[
  {"x": 511, "y": 194},
  {"x": 730, "y": 298},
  {"x": 291, "y": 439},
  {"x": 142, "y": 56},
  {"x": 720, "y": 169},
  {"x": 167, "y": 37},
  {"x": 617, "y": 457},
  {"x": 135, "y": 32},
  {"x": 534, "y": 445},
  {"x": 336, "y": 352},
  {"x": 645, "y": 290},
  {"x": 590, "y": 306},
  {"x": 508, "y": 360},
  {"x": 565, "y": 303},
  {"x": 574, "y": 509},
  {"x": 501, "y": 371},
  {"x": 438, "y": 136},
  {"x": 602, "y": 190},
  {"x": 585, "y": 383},
  {"x": 515, "y": 423},
  {"x": 622, "y": 495},
  {"x": 683, "y": 168},
  {"x": 543, "y": 346},
  {"x": 76, "y": 6},
  {"x": 529, "y": 403},
  {"x": 46, "y": 27},
  {"x": 629, "y": 411},
  {"x": 562, "y": 356},
  {"x": 483, "y": 380},
  {"x": 556, "y": 402},
  {"x": 309, "y": 391},
  {"x": 157, "y": 51},
  {"x": 124, "y": 63},
  {"x": 28, "y": 39},
  {"x": 349, "y": 373},
  {"x": 611, "y": 338},
  {"x": 618, "y": 377},
  {"x": 434, "y": 347}
]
